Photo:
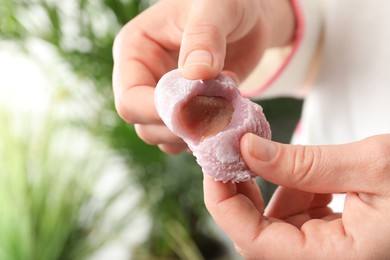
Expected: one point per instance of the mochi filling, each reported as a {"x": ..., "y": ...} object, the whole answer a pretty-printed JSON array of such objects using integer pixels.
[{"x": 203, "y": 116}]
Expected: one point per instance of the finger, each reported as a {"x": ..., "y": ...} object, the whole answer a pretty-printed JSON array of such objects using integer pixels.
[
  {"x": 297, "y": 207},
  {"x": 356, "y": 167},
  {"x": 203, "y": 46},
  {"x": 133, "y": 86},
  {"x": 321, "y": 200},
  {"x": 157, "y": 134},
  {"x": 325, "y": 213},
  {"x": 251, "y": 190},
  {"x": 134, "y": 79},
  {"x": 244, "y": 224},
  {"x": 298, "y": 220},
  {"x": 268, "y": 238},
  {"x": 233, "y": 211},
  {"x": 140, "y": 59},
  {"x": 287, "y": 202},
  {"x": 173, "y": 148},
  {"x": 319, "y": 206},
  {"x": 136, "y": 105}
]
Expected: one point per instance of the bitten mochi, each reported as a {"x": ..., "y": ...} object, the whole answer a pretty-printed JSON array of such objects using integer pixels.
[{"x": 211, "y": 117}]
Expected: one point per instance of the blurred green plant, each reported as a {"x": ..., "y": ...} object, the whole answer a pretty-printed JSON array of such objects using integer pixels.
[
  {"x": 82, "y": 32},
  {"x": 48, "y": 174}
]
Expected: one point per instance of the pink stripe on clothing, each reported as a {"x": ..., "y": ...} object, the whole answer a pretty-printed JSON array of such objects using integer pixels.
[{"x": 299, "y": 34}]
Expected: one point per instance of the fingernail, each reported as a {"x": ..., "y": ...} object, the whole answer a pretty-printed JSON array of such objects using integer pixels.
[
  {"x": 198, "y": 57},
  {"x": 260, "y": 148}
]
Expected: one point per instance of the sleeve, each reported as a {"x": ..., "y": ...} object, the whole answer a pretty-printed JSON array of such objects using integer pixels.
[{"x": 289, "y": 77}]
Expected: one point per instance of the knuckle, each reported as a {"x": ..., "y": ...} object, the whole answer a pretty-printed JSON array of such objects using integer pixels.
[
  {"x": 116, "y": 45},
  {"x": 380, "y": 151},
  {"x": 304, "y": 163},
  {"x": 200, "y": 30},
  {"x": 119, "y": 41},
  {"x": 127, "y": 38},
  {"x": 127, "y": 109},
  {"x": 145, "y": 135},
  {"x": 125, "y": 113}
]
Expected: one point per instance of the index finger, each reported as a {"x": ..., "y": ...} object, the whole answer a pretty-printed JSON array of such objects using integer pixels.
[{"x": 142, "y": 55}]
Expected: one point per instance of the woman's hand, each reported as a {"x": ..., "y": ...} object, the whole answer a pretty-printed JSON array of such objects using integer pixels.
[
  {"x": 297, "y": 224},
  {"x": 202, "y": 38}
]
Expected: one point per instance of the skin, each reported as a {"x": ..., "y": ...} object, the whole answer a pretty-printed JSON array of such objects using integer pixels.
[
  {"x": 235, "y": 33},
  {"x": 297, "y": 224}
]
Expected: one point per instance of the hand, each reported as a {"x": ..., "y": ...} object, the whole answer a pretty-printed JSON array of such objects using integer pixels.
[
  {"x": 297, "y": 224},
  {"x": 201, "y": 37}
]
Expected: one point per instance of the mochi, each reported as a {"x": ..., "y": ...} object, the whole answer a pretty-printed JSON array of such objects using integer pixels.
[{"x": 211, "y": 116}]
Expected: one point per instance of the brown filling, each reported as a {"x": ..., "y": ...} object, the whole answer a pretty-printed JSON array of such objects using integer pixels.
[{"x": 204, "y": 116}]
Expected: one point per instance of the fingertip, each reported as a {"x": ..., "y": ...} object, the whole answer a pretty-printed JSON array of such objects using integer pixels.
[
  {"x": 198, "y": 72},
  {"x": 199, "y": 64},
  {"x": 219, "y": 188},
  {"x": 202, "y": 52},
  {"x": 199, "y": 58},
  {"x": 216, "y": 191},
  {"x": 245, "y": 143},
  {"x": 258, "y": 148}
]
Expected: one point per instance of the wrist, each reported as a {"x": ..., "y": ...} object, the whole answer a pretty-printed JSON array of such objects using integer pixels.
[{"x": 281, "y": 22}]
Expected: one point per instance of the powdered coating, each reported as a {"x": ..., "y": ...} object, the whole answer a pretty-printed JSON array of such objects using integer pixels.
[{"x": 218, "y": 155}]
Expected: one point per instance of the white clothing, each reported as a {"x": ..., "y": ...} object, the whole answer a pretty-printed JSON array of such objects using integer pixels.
[{"x": 350, "y": 97}]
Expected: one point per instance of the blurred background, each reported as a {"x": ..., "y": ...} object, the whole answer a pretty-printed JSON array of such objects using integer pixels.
[{"x": 75, "y": 180}]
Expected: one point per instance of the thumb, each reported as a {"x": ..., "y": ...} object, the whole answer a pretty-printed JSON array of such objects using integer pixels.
[
  {"x": 210, "y": 25},
  {"x": 361, "y": 166}
]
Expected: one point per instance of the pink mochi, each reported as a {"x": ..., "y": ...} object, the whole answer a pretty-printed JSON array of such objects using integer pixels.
[{"x": 211, "y": 116}]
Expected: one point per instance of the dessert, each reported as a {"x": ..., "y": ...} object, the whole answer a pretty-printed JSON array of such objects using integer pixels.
[{"x": 211, "y": 117}]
